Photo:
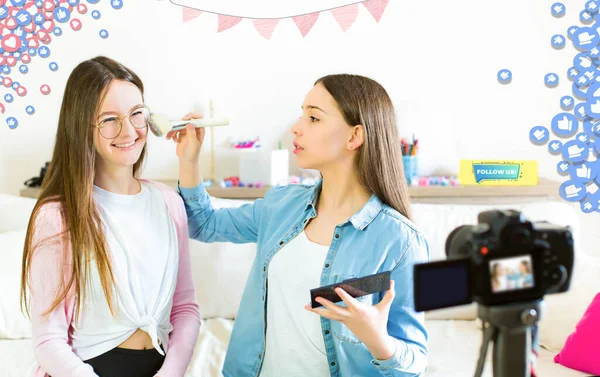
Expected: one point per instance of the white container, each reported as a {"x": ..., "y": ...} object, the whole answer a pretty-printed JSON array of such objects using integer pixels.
[{"x": 268, "y": 167}]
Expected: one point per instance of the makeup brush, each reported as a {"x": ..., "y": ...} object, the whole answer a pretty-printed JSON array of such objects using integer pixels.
[{"x": 160, "y": 125}]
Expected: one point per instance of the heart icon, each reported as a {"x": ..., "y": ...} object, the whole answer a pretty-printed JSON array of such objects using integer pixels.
[
  {"x": 49, "y": 16},
  {"x": 21, "y": 91},
  {"x": 7, "y": 82},
  {"x": 75, "y": 24},
  {"x": 48, "y": 26},
  {"x": 33, "y": 42},
  {"x": 42, "y": 34},
  {"x": 11, "y": 61},
  {"x": 26, "y": 58},
  {"x": 11, "y": 43},
  {"x": 45, "y": 89},
  {"x": 11, "y": 23},
  {"x": 82, "y": 9},
  {"x": 1, "y": 108},
  {"x": 2, "y": 60}
]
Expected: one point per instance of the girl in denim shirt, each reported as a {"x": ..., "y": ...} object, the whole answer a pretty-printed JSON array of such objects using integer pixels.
[{"x": 354, "y": 222}]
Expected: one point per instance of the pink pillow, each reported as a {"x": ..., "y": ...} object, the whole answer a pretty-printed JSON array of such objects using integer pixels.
[{"x": 583, "y": 345}]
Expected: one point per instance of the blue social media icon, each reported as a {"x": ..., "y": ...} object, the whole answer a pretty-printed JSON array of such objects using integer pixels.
[
  {"x": 539, "y": 135},
  {"x": 18, "y": 3},
  {"x": 8, "y": 97},
  {"x": 564, "y": 125},
  {"x": 584, "y": 171},
  {"x": 53, "y": 66},
  {"x": 96, "y": 14},
  {"x": 15, "y": 85},
  {"x": 566, "y": 103},
  {"x": 116, "y": 4},
  {"x": 30, "y": 110},
  {"x": 591, "y": 6},
  {"x": 23, "y": 18},
  {"x": 32, "y": 51},
  {"x": 73, "y": 3},
  {"x": 572, "y": 73},
  {"x": 572, "y": 191},
  {"x": 504, "y": 76},
  {"x": 594, "y": 53},
  {"x": 571, "y": 30},
  {"x": 585, "y": 38},
  {"x": 592, "y": 190},
  {"x": 583, "y": 137},
  {"x": 555, "y": 147},
  {"x": 558, "y": 41},
  {"x": 563, "y": 168},
  {"x": 93, "y": 1},
  {"x": 12, "y": 123},
  {"x": 57, "y": 31},
  {"x": 558, "y": 9},
  {"x": 587, "y": 206},
  {"x": 585, "y": 17},
  {"x": 44, "y": 52},
  {"x": 62, "y": 15},
  {"x": 582, "y": 62},
  {"x": 103, "y": 33},
  {"x": 23, "y": 69},
  {"x": 582, "y": 79},
  {"x": 39, "y": 18},
  {"x": 551, "y": 80},
  {"x": 580, "y": 112},
  {"x": 597, "y": 145},
  {"x": 6, "y": 70},
  {"x": 575, "y": 151}
]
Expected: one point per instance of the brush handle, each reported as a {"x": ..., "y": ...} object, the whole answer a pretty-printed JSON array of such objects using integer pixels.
[{"x": 198, "y": 123}]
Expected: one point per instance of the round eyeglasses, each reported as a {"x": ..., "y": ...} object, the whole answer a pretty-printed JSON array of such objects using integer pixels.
[{"x": 110, "y": 127}]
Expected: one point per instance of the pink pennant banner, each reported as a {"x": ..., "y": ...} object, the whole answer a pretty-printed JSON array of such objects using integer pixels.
[
  {"x": 376, "y": 7},
  {"x": 265, "y": 27},
  {"x": 306, "y": 22},
  {"x": 345, "y": 16},
  {"x": 190, "y": 13},
  {"x": 227, "y": 22}
]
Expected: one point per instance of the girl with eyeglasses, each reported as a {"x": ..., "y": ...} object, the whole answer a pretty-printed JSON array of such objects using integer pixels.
[{"x": 106, "y": 273}]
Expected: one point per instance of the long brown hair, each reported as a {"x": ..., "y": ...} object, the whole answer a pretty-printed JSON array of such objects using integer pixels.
[
  {"x": 379, "y": 160},
  {"x": 69, "y": 182}
]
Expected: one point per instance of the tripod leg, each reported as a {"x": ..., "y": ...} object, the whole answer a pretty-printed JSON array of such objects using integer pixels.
[{"x": 489, "y": 333}]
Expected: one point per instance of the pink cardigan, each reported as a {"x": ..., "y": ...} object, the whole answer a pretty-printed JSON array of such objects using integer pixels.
[{"x": 52, "y": 335}]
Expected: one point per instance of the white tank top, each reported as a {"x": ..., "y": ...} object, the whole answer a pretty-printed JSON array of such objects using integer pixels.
[
  {"x": 143, "y": 247},
  {"x": 295, "y": 346}
]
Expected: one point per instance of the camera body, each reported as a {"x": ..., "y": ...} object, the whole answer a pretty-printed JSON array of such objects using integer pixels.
[{"x": 501, "y": 260}]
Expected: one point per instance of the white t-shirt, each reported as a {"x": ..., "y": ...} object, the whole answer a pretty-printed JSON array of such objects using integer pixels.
[
  {"x": 294, "y": 341},
  {"x": 142, "y": 243}
]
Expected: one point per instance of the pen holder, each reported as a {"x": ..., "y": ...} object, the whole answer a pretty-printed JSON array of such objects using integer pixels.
[{"x": 410, "y": 167}]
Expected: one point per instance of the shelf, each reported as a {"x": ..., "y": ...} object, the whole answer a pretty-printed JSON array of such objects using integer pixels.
[{"x": 545, "y": 189}]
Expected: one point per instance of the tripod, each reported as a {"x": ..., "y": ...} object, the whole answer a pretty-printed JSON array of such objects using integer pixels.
[{"x": 509, "y": 328}]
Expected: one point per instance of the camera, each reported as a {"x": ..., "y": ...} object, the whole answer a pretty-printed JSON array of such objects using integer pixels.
[{"x": 504, "y": 259}]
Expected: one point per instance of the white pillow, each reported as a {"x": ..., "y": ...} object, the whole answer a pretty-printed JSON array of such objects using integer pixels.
[
  {"x": 220, "y": 271},
  {"x": 15, "y": 212},
  {"x": 13, "y": 324}
]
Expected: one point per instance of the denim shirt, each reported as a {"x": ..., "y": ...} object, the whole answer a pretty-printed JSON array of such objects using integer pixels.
[{"x": 375, "y": 239}]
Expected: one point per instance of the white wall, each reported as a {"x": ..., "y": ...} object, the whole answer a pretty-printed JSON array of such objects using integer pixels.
[{"x": 438, "y": 60}]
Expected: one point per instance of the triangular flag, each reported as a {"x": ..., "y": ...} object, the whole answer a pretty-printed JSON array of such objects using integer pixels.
[
  {"x": 376, "y": 7},
  {"x": 305, "y": 22},
  {"x": 190, "y": 13},
  {"x": 265, "y": 27},
  {"x": 226, "y": 22},
  {"x": 345, "y": 16}
]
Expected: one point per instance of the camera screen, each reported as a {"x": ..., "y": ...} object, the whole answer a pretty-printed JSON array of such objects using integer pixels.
[
  {"x": 442, "y": 284},
  {"x": 509, "y": 274}
]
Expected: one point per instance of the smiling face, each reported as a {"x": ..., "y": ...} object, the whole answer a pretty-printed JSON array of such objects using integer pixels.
[
  {"x": 322, "y": 136},
  {"x": 121, "y": 99}
]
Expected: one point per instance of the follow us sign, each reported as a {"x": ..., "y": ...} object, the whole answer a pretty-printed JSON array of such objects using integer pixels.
[{"x": 498, "y": 173}]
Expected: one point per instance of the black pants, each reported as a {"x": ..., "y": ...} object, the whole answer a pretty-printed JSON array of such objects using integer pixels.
[{"x": 121, "y": 362}]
